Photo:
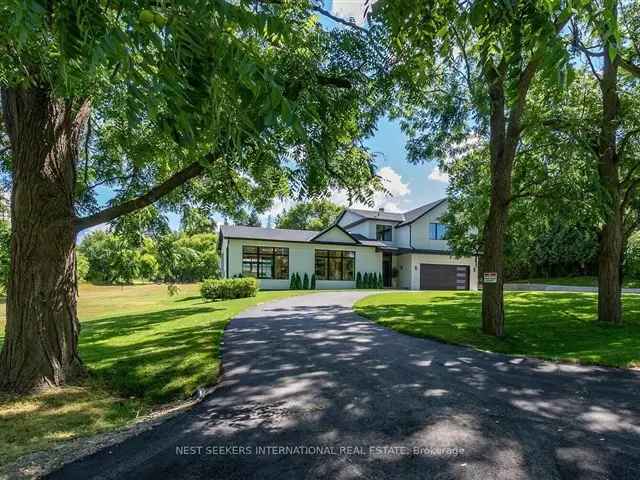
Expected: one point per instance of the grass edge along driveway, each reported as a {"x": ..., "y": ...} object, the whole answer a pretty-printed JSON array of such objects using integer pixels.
[
  {"x": 143, "y": 350},
  {"x": 548, "y": 325}
]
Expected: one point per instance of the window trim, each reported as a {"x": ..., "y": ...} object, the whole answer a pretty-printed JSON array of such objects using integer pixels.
[
  {"x": 258, "y": 261},
  {"x": 437, "y": 227},
  {"x": 385, "y": 229},
  {"x": 349, "y": 255}
]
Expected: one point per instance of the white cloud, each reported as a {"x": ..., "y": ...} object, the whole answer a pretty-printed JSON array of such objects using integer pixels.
[
  {"x": 438, "y": 175},
  {"x": 278, "y": 206},
  {"x": 349, "y": 9},
  {"x": 392, "y": 181},
  {"x": 397, "y": 191}
]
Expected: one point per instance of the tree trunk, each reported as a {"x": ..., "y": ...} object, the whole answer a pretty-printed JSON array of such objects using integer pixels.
[
  {"x": 496, "y": 224},
  {"x": 612, "y": 234},
  {"x": 41, "y": 337},
  {"x": 609, "y": 278}
]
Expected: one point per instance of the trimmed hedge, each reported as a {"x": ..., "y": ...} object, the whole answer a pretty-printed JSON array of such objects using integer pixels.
[
  {"x": 369, "y": 280},
  {"x": 229, "y": 288}
]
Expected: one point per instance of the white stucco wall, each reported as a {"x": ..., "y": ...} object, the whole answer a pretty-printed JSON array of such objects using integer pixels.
[
  {"x": 401, "y": 236},
  {"x": 403, "y": 263},
  {"x": 420, "y": 230},
  {"x": 302, "y": 260}
]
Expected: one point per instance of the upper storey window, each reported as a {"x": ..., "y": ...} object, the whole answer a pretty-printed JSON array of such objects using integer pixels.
[
  {"x": 437, "y": 231},
  {"x": 383, "y": 232}
]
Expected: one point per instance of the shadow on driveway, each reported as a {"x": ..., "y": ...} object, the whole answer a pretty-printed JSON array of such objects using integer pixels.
[{"x": 307, "y": 372}]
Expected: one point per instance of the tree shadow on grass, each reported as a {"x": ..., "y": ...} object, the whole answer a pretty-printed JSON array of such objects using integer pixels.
[
  {"x": 158, "y": 356},
  {"x": 556, "y": 326},
  {"x": 33, "y": 422},
  {"x": 314, "y": 376}
]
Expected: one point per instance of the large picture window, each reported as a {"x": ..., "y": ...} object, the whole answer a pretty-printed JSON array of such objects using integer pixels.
[
  {"x": 335, "y": 265},
  {"x": 383, "y": 232},
  {"x": 265, "y": 262},
  {"x": 437, "y": 231}
]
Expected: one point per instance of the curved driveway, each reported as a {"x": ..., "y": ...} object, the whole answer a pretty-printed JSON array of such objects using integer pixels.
[{"x": 361, "y": 401}]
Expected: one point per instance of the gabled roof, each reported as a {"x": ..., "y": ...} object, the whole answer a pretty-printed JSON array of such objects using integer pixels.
[
  {"x": 377, "y": 214},
  {"x": 374, "y": 243},
  {"x": 331, "y": 227},
  {"x": 413, "y": 215},
  {"x": 283, "y": 234},
  {"x": 257, "y": 233},
  {"x": 402, "y": 219}
]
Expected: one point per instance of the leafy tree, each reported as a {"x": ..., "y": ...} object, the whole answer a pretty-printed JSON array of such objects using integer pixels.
[
  {"x": 313, "y": 281},
  {"x": 358, "y": 280},
  {"x": 632, "y": 257},
  {"x": 611, "y": 135},
  {"x": 305, "y": 282},
  {"x": 250, "y": 220},
  {"x": 466, "y": 70},
  {"x": 82, "y": 267},
  {"x": 198, "y": 257},
  {"x": 195, "y": 220},
  {"x": 313, "y": 215},
  {"x": 111, "y": 259},
  {"x": 225, "y": 104},
  {"x": 292, "y": 282},
  {"x": 149, "y": 266},
  {"x": 552, "y": 222}
]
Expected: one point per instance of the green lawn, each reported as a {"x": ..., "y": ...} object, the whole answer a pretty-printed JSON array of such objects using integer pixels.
[
  {"x": 142, "y": 347},
  {"x": 557, "y": 326},
  {"x": 585, "y": 281}
]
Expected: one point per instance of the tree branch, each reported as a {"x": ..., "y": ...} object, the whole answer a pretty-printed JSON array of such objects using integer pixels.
[
  {"x": 157, "y": 192},
  {"x": 630, "y": 67},
  {"x": 333, "y": 81},
  {"x": 339, "y": 20}
]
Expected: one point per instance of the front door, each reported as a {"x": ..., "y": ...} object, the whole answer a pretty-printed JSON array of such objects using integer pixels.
[{"x": 386, "y": 269}]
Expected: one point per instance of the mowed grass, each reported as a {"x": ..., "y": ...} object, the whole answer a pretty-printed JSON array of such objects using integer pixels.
[
  {"x": 550, "y": 325},
  {"x": 583, "y": 281},
  {"x": 142, "y": 347}
]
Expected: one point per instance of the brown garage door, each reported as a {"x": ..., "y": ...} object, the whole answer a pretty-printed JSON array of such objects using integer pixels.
[{"x": 444, "y": 277}]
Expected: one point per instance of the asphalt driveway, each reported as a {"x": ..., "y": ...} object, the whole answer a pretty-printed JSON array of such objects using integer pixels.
[{"x": 311, "y": 390}]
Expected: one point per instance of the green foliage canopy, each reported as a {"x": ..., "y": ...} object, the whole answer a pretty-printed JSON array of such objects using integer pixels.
[{"x": 313, "y": 215}]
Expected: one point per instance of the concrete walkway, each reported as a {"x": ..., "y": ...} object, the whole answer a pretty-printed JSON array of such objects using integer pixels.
[
  {"x": 541, "y": 287},
  {"x": 312, "y": 391}
]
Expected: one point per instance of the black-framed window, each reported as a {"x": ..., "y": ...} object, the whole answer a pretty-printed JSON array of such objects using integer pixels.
[
  {"x": 265, "y": 262},
  {"x": 437, "y": 231},
  {"x": 383, "y": 232},
  {"x": 335, "y": 265}
]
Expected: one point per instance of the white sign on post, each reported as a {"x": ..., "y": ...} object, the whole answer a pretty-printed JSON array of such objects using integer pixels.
[{"x": 490, "y": 277}]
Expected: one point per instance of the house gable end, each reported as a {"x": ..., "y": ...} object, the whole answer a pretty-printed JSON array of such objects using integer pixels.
[{"x": 335, "y": 234}]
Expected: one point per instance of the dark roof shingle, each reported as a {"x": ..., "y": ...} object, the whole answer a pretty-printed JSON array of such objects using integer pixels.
[{"x": 258, "y": 233}]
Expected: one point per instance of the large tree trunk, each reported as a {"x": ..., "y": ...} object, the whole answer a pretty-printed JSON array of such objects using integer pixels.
[
  {"x": 41, "y": 337},
  {"x": 612, "y": 234},
  {"x": 609, "y": 261},
  {"x": 496, "y": 224}
]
